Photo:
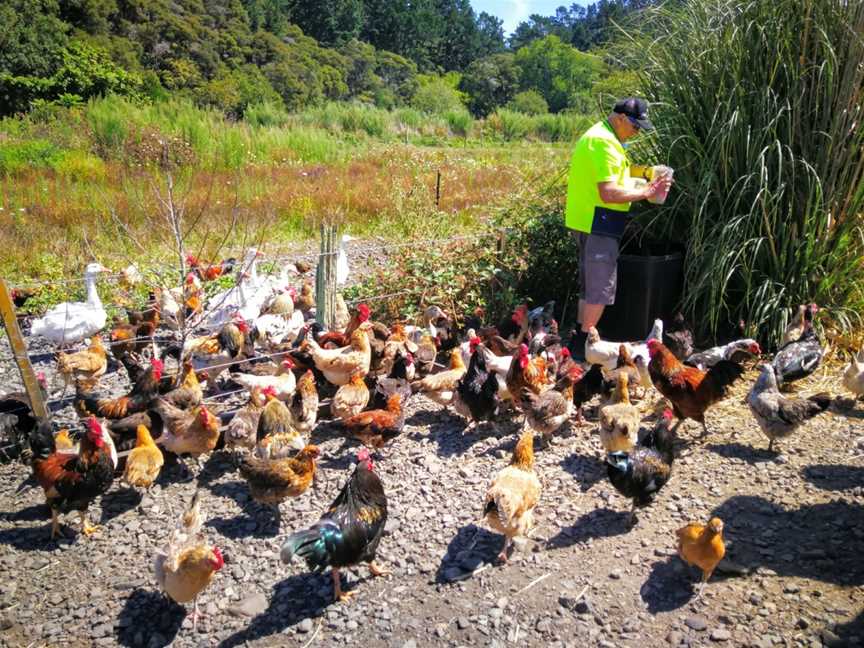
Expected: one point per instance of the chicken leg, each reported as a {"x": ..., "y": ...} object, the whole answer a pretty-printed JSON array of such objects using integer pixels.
[
  {"x": 55, "y": 524},
  {"x": 503, "y": 556},
  {"x": 86, "y": 528},
  {"x": 342, "y": 597},
  {"x": 375, "y": 570}
]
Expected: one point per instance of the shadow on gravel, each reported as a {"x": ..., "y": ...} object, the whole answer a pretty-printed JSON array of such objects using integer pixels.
[
  {"x": 33, "y": 538},
  {"x": 117, "y": 502},
  {"x": 855, "y": 628},
  {"x": 447, "y": 429},
  {"x": 469, "y": 549},
  {"x": 599, "y": 523},
  {"x": 215, "y": 467},
  {"x": 744, "y": 452},
  {"x": 293, "y": 600},
  {"x": 28, "y": 514},
  {"x": 669, "y": 586},
  {"x": 149, "y": 618},
  {"x": 822, "y": 541},
  {"x": 587, "y": 469},
  {"x": 833, "y": 477},
  {"x": 258, "y": 520}
]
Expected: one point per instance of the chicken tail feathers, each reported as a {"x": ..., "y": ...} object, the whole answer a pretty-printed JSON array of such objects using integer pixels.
[
  {"x": 42, "y": 443},
  {"x": 723, "y": 374},
  {"x": 315, "y": 545},
  {"x": 822, "y": 400}
]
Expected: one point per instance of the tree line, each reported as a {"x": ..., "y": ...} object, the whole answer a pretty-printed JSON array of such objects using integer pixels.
[{"x": 434, "y": 54}]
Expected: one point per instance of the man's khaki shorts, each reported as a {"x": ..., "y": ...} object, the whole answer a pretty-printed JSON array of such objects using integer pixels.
[{"x": 598, "y": 268}]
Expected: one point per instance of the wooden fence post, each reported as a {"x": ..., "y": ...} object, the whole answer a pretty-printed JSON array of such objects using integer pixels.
[
  {"x": 19, "y": 352},
  {"x": 325, "y": 277}
]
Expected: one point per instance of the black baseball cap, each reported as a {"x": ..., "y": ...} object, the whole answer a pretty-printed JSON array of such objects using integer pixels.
[{"x": 636, "y": 109}]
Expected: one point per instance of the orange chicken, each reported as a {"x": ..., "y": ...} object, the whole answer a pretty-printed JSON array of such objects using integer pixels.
[
  {"x": 702, "y": 545},
  {"x": 441, "y": 386},
  {"x": 187, "y": 564},
  {"x": 338, "y": 365},
  {"x": 511, "y": 499},
  {"x": 144, "y": 461},
  {"x": 272, "y": 481},
  {"x": 85, "y": 366},
  {"x": 350, "y": 399}
]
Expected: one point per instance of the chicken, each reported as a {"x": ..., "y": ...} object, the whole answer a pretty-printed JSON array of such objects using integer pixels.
[
  {"x": 337, "y": 339},
  {"x": 276, "y": 436},
  {"x": 349, "y": 532},
  {"x": 272, "y": 481},
  {"x": 62, "y": 441},
  {"x": 84, "y": 366},
  {"x": 144, "y": 461},
  {"x": 241, "y": 431},
  {"x": 565, "y": 363},
  {"x": 213, "y": 354},
  {"x": 283, "y": 382},
  {"x": 510, "y": 500},
  {"x": 702, "y": 545},
  {"x": 547, "y": 412},
  {"x": 591, "y": 384},
  {"x": 426, "y": 354},
  {"x": 626, "y": 364},
  {"x": 619, "y": 420},
  {"x": 134, "y": 337},
  {"x": 189, "y": 394},
  {"x": 678, "y": 337},
  {"x": 304, "y": 405},
  {"x": 799, "y": 359},
  {"x": 71, "y": 481},
  {"x": 195, "y": 432},
  {"x": 374, "y": 428},
  {"x": 525, "y": 372},
  {"x": 515, "y": 328},
  {"x": 605, "y": 353},
  {"x": 795, "y": 327},
  {"x": 640, "y": 473},
  {"x": 145, "y": 389},
  {"x": 350, "y": 399},
  {"x": 476, "y": 396},
  {"x": 691, "y": 391},
  {"x": 338, "y": 365},
  {"x": 188, "y": 563},
  {"x": 306, "y": 299},
  {"x": 735, "y": 351},
  {"x": 210, "y": 271},
  {"x": 17, "y": 419},
  {"x": 777, "y": 415},
  {"x": 441, "y": 386},
  {"x": 853, "y": 376},
  {"x": 396, "y": 383}
]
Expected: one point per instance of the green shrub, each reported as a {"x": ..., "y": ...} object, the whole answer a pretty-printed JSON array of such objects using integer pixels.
[
  {"x": 19, "y": 156},
  {"x": 266, "y": 114},
  {"x": 529, "y": 102},
  {"x": 437, "y": 97},
  {"x": 459, "y": 122},
  {"x": 768, "y": 196},
  {"x": 80, "y": 167},
  {"x": 108, "y": 121}
]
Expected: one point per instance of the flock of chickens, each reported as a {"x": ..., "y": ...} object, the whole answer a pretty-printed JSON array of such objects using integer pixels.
[{"x": 263, "y": 338}]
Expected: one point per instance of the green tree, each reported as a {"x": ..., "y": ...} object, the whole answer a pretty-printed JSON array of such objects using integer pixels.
[
  {"x": 92, "y": 16},
  {"x": 32, "y": 37},
  {"x": 490, "y": 82},
  {"x": 529, "y": 102},
  {"x": 557, "y": 71},
  {"x": 490, "y": 35},
  {"x": 330, "y": 22}
]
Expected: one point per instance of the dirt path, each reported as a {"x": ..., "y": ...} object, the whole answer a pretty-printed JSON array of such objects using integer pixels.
[{"x": 794, "y": 525}]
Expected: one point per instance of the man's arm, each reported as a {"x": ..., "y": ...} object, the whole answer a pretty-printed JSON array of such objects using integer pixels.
[{"x": 610, "y": 192}]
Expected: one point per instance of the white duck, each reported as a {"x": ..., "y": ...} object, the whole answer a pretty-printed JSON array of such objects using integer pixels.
[
  {"x": 605, "y": 353},
  {"x": 71, "y": 322}
]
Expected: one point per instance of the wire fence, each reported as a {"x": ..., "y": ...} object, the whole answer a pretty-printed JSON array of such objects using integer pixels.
[{"x": 351, "y": 251}]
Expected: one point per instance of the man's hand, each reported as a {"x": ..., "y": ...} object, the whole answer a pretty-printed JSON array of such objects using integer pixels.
[{"x": 655, "y": 186}]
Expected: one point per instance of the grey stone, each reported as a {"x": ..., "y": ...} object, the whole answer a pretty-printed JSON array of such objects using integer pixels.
[
  {"x": 462, "y": 623},
  {"x": 674, "y": 638},
  {"x": 305, "y": 626},
  {"x": 251, "y": 606},
  {"x": 695, "y": 622},
  {"x": 720, "y": 634}
]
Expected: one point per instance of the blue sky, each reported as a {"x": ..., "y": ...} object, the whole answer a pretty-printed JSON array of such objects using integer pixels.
[{"x": 512, "y": 12}]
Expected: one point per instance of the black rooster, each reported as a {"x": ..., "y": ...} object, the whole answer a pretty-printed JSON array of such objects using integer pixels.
[
  {"x": 642, "y": 472},
  {"x": 590, "y": 385},
  {"x": 678, "y": 337},
  {"x": 395, "y": 383},
  {"x": 349, "y": 532},
  {"x": 476, "y": 396}
]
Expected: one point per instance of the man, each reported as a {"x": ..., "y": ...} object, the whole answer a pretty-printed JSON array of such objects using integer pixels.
[{"x": 599, "y": 193}]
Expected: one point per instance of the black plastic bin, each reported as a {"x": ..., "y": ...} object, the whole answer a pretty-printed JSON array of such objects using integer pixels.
[{"x": 649, "y": 286}]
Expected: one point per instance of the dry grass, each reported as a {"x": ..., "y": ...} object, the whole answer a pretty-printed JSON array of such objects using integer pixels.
[{"x": 52, "y": 221}]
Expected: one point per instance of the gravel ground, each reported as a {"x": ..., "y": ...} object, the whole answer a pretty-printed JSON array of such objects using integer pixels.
[{"x": 793, "y": 575}]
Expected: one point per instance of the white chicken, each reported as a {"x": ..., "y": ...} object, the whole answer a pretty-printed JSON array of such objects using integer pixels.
[
  {"x": 605, "y": 353},
  {"x": 283, "y": 383}
]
